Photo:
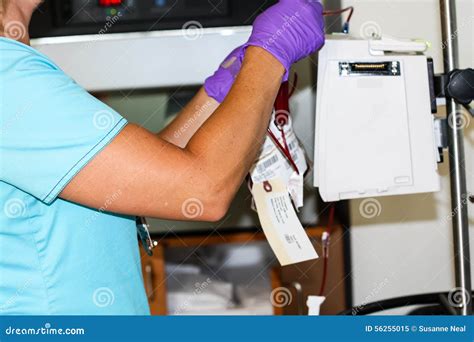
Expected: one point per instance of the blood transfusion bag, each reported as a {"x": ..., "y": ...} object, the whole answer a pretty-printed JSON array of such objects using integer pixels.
[
  {"x": 276, "y": 182},
  {"x": 272, "y": 163}
]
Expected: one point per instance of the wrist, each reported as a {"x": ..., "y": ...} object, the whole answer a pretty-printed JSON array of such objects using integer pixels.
[
  {"x": 265, "y": 61},
  {"x": 269, "y": 49}
]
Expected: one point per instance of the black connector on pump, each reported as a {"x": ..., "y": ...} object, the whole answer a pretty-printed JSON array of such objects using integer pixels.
[{"x": 457, "y": 85}]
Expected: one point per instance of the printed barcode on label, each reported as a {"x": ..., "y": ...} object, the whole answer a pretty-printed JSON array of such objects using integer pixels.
[
  {"x": 293, "y": 145},
  {"x": 261, "y": 167},
  {"x": 271, "y": 161},
  {"x": 267, "y": 163}
]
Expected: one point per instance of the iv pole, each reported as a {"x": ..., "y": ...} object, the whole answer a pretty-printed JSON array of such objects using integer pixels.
[
  {"x": 459, "y": 198},
  {"x": 454, "y": 85}
]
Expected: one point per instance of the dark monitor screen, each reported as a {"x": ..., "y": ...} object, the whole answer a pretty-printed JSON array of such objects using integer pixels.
[{"x": 75, "y": 17}]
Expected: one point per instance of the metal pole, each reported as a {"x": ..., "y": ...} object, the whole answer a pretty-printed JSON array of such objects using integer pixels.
[{"x": 456, "y": 163}]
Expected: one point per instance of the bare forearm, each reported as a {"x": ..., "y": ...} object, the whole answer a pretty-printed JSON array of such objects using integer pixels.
[
  {"x": 188, "y": 121},
  {"x": 228, "y": 142}
]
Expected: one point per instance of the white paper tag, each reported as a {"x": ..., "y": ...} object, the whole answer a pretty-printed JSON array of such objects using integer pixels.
[
  {"x": 295, "y": 188},
  {"x": 272, "y": 164},
  {"x": 281, "y": 226}
]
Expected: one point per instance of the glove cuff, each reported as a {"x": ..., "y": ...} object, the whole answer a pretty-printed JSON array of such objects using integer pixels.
[{"x": 274, "y": 53}]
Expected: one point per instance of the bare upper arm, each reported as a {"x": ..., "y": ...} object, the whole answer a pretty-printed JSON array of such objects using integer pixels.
[{"x": 140, "y": 174}]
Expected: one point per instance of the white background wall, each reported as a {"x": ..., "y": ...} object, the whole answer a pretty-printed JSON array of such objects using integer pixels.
[{"x": 407, "y": 248}]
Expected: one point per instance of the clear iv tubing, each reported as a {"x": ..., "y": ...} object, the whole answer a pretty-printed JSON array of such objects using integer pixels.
[
  {"x": 345, "y": 27},
  {"x": 340, "y": 11},
  {"x": 325, "y": 244}
]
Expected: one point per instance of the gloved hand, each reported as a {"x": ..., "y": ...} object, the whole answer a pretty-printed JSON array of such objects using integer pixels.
[
  {"x": 289, "y": 30},
  {"x": 218, "y": 85}
]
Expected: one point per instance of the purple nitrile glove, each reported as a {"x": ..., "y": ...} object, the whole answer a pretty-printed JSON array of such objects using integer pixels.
[
  {"x": 290, "y": 30},
  {"x": 218, "y": 85}
]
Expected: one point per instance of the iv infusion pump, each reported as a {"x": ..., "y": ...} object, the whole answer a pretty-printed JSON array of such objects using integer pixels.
[{"x": 374, "y": 128}]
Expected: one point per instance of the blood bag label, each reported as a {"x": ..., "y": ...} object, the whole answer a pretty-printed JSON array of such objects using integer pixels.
[
  {"x": 271, "y": 163},
  {"x": 280, "y": 224}
]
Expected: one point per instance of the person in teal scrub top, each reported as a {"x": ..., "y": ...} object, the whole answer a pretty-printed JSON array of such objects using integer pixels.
[{"x": 74, "y": 174}]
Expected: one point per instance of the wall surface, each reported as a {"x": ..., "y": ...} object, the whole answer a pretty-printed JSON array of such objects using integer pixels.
[{"x": 406, "y": 249}]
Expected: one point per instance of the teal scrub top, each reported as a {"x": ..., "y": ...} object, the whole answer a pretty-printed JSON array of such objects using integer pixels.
[{"x": 58, "y": 257}]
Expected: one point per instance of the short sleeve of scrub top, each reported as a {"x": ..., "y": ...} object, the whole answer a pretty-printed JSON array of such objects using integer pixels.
[
  {"x": 51, "y": 126},
  {"x": 58, "y": 257}
]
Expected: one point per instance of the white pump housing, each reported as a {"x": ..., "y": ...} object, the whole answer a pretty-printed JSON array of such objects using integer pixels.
[{"x": 374, "y": 133}]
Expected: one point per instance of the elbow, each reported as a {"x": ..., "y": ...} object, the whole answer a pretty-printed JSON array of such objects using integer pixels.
[
  {"x": 215, "y": 204},
  {"x": 216, "y": 213},
  {"x": 212, "y": 193}
]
